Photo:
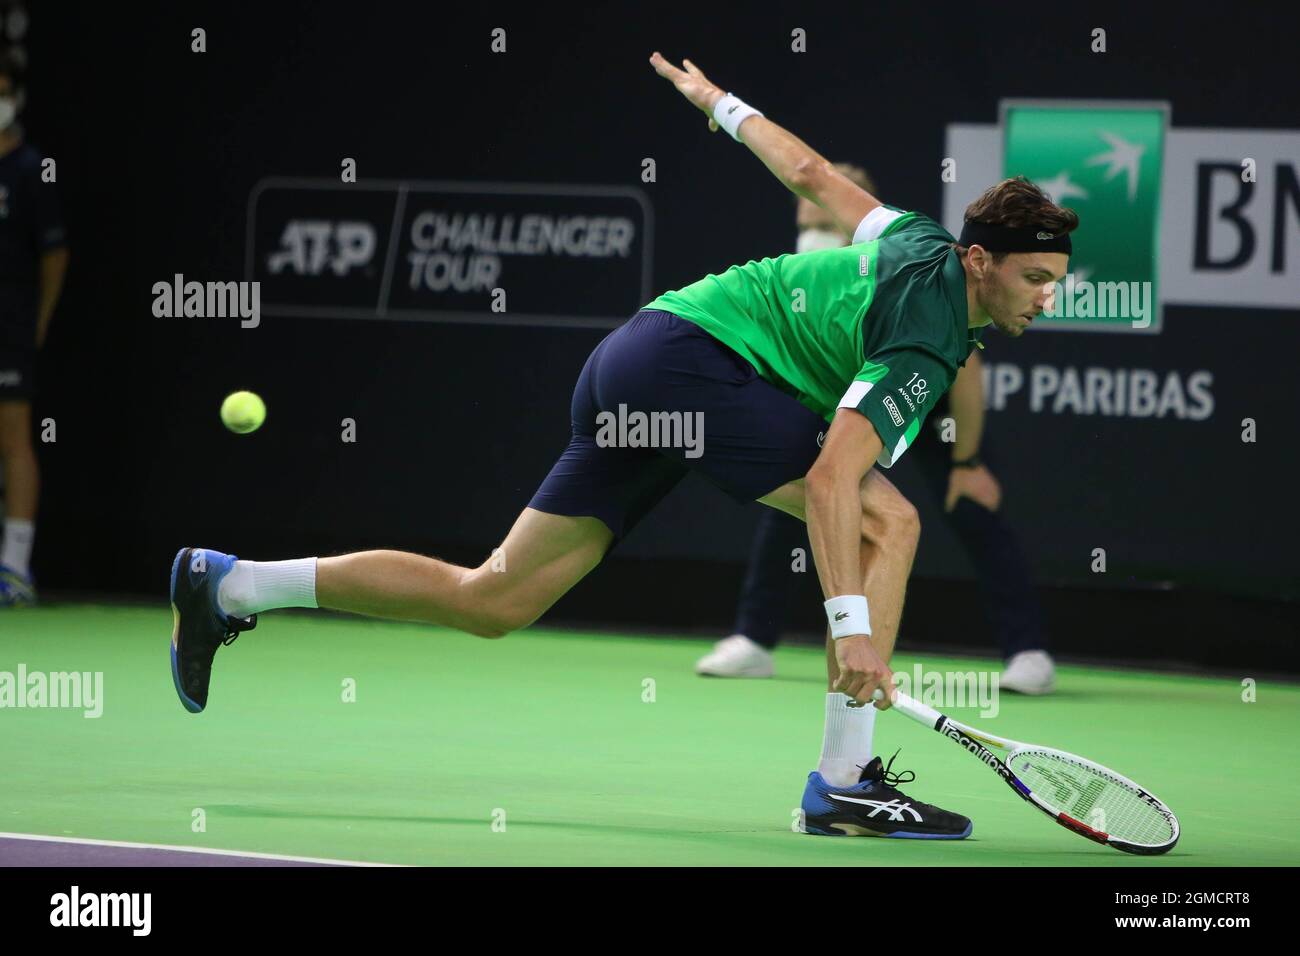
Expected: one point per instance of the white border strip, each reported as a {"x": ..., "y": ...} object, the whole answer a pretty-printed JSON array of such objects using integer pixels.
[{"x": 41, "y": 838}]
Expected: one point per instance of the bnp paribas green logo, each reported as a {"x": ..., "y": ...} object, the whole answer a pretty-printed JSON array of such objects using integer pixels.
[{"x": 1103, "y": 160}]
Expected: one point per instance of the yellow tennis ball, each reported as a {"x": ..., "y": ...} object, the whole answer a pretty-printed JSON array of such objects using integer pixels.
[{"x": 243, "y": 412}]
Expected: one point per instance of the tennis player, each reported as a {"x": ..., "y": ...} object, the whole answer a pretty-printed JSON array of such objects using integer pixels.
[
  {"x": 807, "y": 370},
  {"x": 959, "y": 479}
]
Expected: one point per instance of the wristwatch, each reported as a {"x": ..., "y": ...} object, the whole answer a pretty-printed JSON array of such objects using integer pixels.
[{"x": 972, "y": 462}]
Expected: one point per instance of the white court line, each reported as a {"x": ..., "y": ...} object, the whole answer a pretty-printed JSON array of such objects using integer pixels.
[{"x": 41, "y": 838}]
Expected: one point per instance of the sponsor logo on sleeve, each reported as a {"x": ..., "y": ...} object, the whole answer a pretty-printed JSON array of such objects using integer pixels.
[{"x": 895, "y": 415}]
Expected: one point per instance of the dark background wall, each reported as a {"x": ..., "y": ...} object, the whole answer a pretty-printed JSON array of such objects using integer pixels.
[{"x": 159, "y": 149}]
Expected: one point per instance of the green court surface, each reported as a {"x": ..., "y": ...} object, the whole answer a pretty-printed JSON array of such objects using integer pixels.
[{"x": 560, "y": 737}]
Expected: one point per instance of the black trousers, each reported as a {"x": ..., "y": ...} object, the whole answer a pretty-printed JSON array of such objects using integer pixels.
[{"x": 1010, "y": 605}]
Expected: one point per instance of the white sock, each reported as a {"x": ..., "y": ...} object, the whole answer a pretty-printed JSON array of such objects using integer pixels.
[
  {"x": 254, "y": 586},
  {"x": 846, "y": 743},
  {"x": 16, "y": 551}
]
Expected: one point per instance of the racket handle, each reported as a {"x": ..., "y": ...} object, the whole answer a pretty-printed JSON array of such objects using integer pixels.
[{"x": 911, "y": 707}]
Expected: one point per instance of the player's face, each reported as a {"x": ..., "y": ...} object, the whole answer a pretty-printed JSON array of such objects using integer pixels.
[{"x": 1019, "y": 287}]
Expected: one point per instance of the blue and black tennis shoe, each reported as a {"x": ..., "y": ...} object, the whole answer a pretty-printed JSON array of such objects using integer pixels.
[
  {"x": 199, "y": 625},
  {"x": 875, "y": 807},
  {"x": 16, "y": 589}
]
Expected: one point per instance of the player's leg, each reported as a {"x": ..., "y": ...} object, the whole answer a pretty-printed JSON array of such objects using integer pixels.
[
  {"x": 22, "y": 488},
  {"x": 214, "y": 596},
  {"x": 593, "y": 495},
  {"x": 542, "y": 557}
]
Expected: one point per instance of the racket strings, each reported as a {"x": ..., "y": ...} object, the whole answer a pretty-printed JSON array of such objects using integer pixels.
[{"x": 1093, "y": 796}]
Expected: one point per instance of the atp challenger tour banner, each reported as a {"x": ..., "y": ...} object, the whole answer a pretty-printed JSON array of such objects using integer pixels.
[{"x": 446, "y": 251}]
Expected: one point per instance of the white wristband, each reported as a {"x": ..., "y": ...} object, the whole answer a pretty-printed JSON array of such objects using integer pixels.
[
  {"x": 730, "y": 112},
  {"x": 847, "y": 615}
]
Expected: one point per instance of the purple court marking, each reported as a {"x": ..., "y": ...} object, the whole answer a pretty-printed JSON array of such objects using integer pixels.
[{"x": 36, "y": 851}]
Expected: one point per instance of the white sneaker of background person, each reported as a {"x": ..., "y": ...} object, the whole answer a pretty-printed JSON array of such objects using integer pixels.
[
  {"x": 1029, "y": 672},
  {"x": 736, "y": 656}
]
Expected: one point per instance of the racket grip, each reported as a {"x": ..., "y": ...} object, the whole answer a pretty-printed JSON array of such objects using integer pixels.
[{"x": 918, "y": 711}]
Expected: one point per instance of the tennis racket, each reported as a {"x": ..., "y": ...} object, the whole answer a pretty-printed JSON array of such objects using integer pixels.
[{"x": 1082, "y": 796}]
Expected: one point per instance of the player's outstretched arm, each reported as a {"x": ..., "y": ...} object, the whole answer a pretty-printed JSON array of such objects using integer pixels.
[{"x": 799, "y": 167}]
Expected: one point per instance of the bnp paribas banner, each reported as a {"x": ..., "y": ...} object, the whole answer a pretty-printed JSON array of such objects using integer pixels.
[
  {"x": 1167, "y": 215},
  {"x": 1104, "y": 162}
]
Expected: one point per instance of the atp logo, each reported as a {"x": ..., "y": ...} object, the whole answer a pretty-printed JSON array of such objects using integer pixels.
[{"x": 310, "y": 246}]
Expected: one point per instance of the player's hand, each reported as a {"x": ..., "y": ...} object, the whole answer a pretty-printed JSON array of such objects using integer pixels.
[
  {"x": 691, "y": 83},
  {"x": 862, "y": 671},
  {"x": 977, "y": 484}
]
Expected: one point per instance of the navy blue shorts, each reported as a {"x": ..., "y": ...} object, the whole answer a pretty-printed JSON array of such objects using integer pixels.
[{"x": 660, "y": 397}]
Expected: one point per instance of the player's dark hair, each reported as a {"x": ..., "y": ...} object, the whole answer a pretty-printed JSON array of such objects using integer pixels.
[
  {"x": 11, "y": 66},
  {"x": 1019, "y": 204}
]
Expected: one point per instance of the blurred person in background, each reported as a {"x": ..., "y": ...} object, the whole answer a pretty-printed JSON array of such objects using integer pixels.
[
  {"x": 960, "y": 481},
  {"x": 33, "y": 260}
]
